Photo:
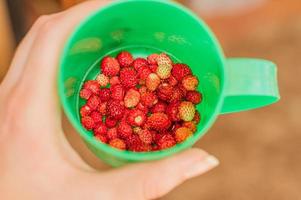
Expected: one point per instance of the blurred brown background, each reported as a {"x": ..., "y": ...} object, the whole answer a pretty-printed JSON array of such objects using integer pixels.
[{"x": 260, "y": 150}]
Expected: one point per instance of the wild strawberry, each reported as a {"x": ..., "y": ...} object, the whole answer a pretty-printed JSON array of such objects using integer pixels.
[
  {"x": 149, "y": 99},
  {"x": 134, "y": 143},
  {"x": 110, "y": 122},
  {"x": 117, "y": 92},
  {"x": 143, "y": 72},
  {"x": 164, "y": 66},
  {"x": 118, "y": 144},
  {"x": 128, "y": 77},
  {"x": 85, "y": 93},
  {"x": 125, "y": 59},
  {"x": 102, "y": 109},
  {"x": 172, "y": 80},
  {"x": 88, "y": 123},
  {"x": 158, "y": 121},
  {"x": 142, "y": 90},
  {"x": 136, "y": 117},
  {"x": 85, "y": 110},
  {"x": 197, "y": 117},
  {"x": 152, "y": 82},
  {"x": 114, "y": 80},
  {"x": 124, "y": 130},
  {"x": 191, "y": 125},
  {"x": 137, "y": 129},
  {"x": 142, "y": 107},
  {"x": 109, "y": 66},
  {"x": 164, "y": 91},
  {"x": 190, "y": 82},
  {"x": 184, "y": 91},
  {"x": 112, "y": 133},
  {"x": 102, "y": 80},
  {"x": 172, "y": 111},
  {"x": 182, "y": 134},
  {"x": 93, "y": 86},
  {"x": 177, "y": 95},
  {"x": 100, "y": 129},
  {"x": 152, "y": 59},
  {"x": 132, "y": 98},
  {"x": 104, "y": 94},
  {"x": 115, "y": 109},
  {"x": 179, "y": 71},
  {"x": 194, "y": 97},
  {"x": 96, "y": 116},
  {"x": 101, "y": 138},
  {"x": 93, "y": 102},
  {"x": 186, "y": 111},
  {"x": 146, "y": 136},
  {"x": 125, "y": 116},
  {"x": 139, "y": 62},
  {"x": 166, "y": 141},
  {"x": 159, "y": 107},
  {"x": 153, "y": 68}
]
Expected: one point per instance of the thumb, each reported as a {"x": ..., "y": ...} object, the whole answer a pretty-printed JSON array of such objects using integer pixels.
[{"x": 155, "y": 179}]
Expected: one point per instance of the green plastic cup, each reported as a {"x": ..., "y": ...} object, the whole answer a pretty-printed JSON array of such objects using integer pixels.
[{"x": 143, "y": 27}]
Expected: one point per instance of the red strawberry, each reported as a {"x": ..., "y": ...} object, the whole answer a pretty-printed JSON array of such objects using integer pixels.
[
  {"x": 100, "y": 129},
  {"x": 110, "y": 66},
  {"x": 118, "y": 144},
  {"x": 143, "y": 72},
  {"x": 128, "y": 77},
  {"x": 102, "y": 80},
  {"x": 110, "y": 122},
  {"x": 152, "y": 59},
  {"x": 165, "y": 91},
  {"x": 177, "y": 95},
  {"x": 104, "y": 94},
  {"x": 182, "y": 134},
  {"x": 125, "y": 59},
  {"x": 159, "y": 107},
  {"x": 93, "y": 86},
  {"x": 93, "y": 102},
  {"x": 186, "y": 111},
  {"x": 197, "y": 117},
  {"x": 96, "y": 116},
  {"x": 172, "y": 111},
  {"x": 136, "y": 117},
  {"x": 117, "y": 92},
  {"x": 149, "y": 99},
  {"x": 115, "y": 109},
  {"x": 164, "y": 66},
  {"x": 146, "y": 136},
  {"x": 184, "y": 91},
  {"x": 85, "y": 110},
  {"x": 88, "y": 123},
  {"x": 134, "y": 143},
  {"x": 102, "y": 109},
  {"x": 139, "y": 62},
  {"x": 112, "y": 133},
  {"x": 132, "y": 98},
  {"x": 179, "y": 71},
  {"x": 142, "y": 107},
  {"x": 190, "y": 82},
  {"x": 172, "y": 80},
  {"x": 152, "y": 81},
  {"x": 158, "y": 121},
  {"x": 194, "y": 97},
  {"x": 114, "y": 80},
  {"x": 101, "y": 138},
  {"x": 191, "y": 125},
  {"x": 85, "y": 93},
  {"x": 124, "y": 130},
  {"x": 153, "y": 68},
  {"x": 166, "y": 141},
  {"x": 142, "y": 90}
]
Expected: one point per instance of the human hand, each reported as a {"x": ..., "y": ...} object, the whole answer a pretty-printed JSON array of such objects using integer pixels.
[{"x": 36, "y": 159}]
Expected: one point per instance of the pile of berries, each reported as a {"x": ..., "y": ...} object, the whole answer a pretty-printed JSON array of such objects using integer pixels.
[{"x": 141, "y": 104}]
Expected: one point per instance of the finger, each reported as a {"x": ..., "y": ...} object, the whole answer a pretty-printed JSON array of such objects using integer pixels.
[{"x": 153, "y": 180}]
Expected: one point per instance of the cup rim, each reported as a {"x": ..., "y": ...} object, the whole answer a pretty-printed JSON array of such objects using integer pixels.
[{"x": 142, "y": 156}]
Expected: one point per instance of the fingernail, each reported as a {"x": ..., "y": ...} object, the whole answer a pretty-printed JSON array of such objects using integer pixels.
[{"x": 201, "y": 166}]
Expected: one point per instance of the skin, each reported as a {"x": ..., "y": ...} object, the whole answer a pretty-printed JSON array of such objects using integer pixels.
[{"x": 36, "y": 161}]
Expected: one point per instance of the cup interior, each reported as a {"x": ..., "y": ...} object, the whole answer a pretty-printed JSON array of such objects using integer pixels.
[{"x": 141, "y": 27}]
